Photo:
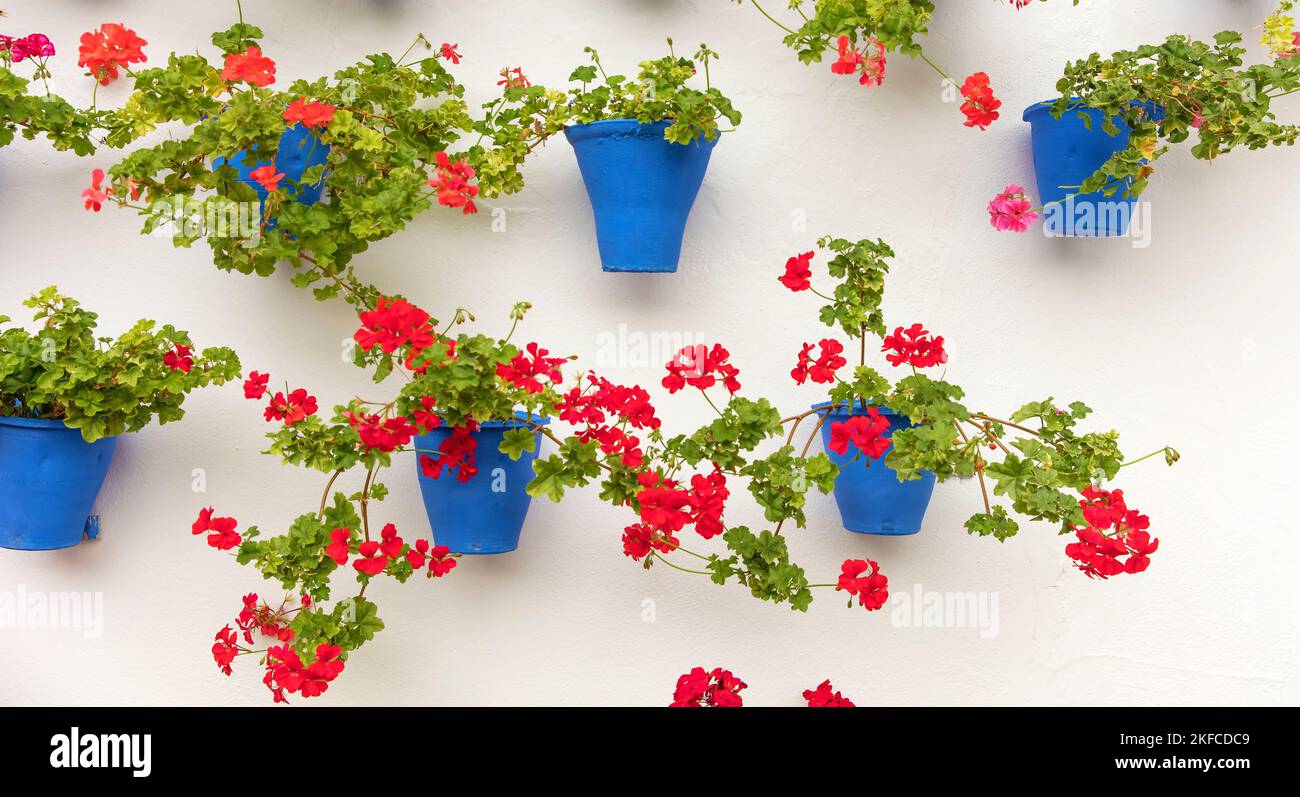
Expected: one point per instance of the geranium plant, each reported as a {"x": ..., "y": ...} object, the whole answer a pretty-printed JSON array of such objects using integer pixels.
[
  {"x": 103, "y": 52},
  {"x": 1166, "y": 94},
  {"x": 99, "y": 385},
  {"x": 1037, "y": 459},
  {"x": 526, "y": 115},
  {"x": 858, "y": 34}
]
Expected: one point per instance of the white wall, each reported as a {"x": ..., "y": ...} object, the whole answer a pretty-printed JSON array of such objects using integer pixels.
[{"x": 1190, "y": 341}]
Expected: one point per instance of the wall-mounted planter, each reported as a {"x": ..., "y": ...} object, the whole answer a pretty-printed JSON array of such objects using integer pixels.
[
  {"x": 641, "y": 189},
  {"x": 871, "y": 499},
  {"x": 485, "y": 514},
  {"x": 299, "y": 150},
  {"x": 1067, "y": 152},
  {"x": 49, "y": 477}
]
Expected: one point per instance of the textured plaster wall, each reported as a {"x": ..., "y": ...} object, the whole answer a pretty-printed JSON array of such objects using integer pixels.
[{"x": 1190, "y": 341}]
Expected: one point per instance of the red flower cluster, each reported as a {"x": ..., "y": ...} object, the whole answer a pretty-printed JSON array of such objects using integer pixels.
[
  {"x": 34, "y": 45},
  {"x": 313, "y": 114},
  {"x": 98, "y": 193},
  {"x": 639, "y": 539},
  {"x": 455, "y": 453},
  {"x": 222, "y": 535},
  {"x": 439, "y": 558},
  {"x": 249, "y": 66},
  {"x": 255, "y": 385},
  {"x": 1112, "y": 531},
  {"x": 179, "y": 359},
  {"x": 701, "y": 367},
  {"x": 291, "y": 409},
  {"x": 822, "y": 370},
  {"x": 394, "y": 323},
  {"x": 699, "y": 689},
  {"x": 382, "y": 434},
  {"x": 980, "y": 106},
  {"x": 523, "y": 371},
  {"x": 666, "y": 507},
  {"x": 868, "y": 432},
  {"x": 448, "y": 51},
  {"x": 629, "y": 404},
  {"x": 850, "y": 61},
  {"x": 871, "y": 589},
  {"x": 824, "y": 697},
  {"x": 914, "y": 347},
  {"x": 452, "y": 184},
  {"x": 107, "y": 48},
  {"x": 285, "y": 671},
  {"x": 797, "y": 275},
  {"x": 513, "y": 78},
  {"x": 267, "y": 177}
]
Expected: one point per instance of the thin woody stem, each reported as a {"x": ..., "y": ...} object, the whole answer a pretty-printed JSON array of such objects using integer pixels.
[{"x": 979, "y": 468}]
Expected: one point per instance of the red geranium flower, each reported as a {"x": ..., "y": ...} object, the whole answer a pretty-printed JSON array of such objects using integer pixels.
[
  {"x": 822, "y": 370},
  {"x": 455, "y": 453},
  {"x": 824, "y": 697},
  {"x": 179, "y": 359},
  {"x": 97, "y": 194},
  {"x": 340, "y": 545},
  {"x": 980, "y": 106},
  {"x": 107, "y": 48},
  {"x": 914, "y": 347},
  {"x": 867, "y": 432},
  {"x": 255, "y": 385},
  {"x": 448, "y": 51},
  {"x": 249, "y": 66},
  {"x": 372, "y": 561},
  {"x": 314, "y": 114},
  {"x": 871, "y": 589},
  {"x": 293, "y": 409},
  {"x": 716, "y": 689},
  {"x": 452, "y": 184},
  {"x": 267, "y": 177},
  {"x": 523, "y": 372},
  {"x": 222, "y": 534},
  {"x": 797, "y": 273},
  {"x": 699, "y": 367},
  {"x": 1111, "y": 530}
]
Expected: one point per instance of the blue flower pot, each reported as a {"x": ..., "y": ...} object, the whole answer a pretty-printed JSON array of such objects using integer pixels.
[
  {"x": 485, "y": 514},
  {"x": 641, "y": 189},
  {"x": 299, "y": 151},
  {"x": 871, "y": 498},
  {"x": 1066, "y": 152},
  {"x": 49, "y": 477}
]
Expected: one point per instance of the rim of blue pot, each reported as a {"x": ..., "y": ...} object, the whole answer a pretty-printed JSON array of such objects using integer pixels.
[
  {"x": 520, "y": 417},
  {"x": 842, "y": 409},
  {"x": 1076, "y": 102},
  {"x": 36, "y": 423}
]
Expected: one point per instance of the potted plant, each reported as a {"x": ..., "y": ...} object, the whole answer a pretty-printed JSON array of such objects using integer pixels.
[
  {"x": 471, "y": 411},
  {"x": 1095, "y": 147},
  {"x": 66, "y": 396},
  {"x": 310, "y": 173},
  {"x": 472, "y": 407},
  {"x": 469, "y": 515},
  {"x": 643, "y": 147}
]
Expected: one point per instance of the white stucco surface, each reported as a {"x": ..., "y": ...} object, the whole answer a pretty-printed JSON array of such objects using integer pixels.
[{"x": 1189, "y": 341}]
